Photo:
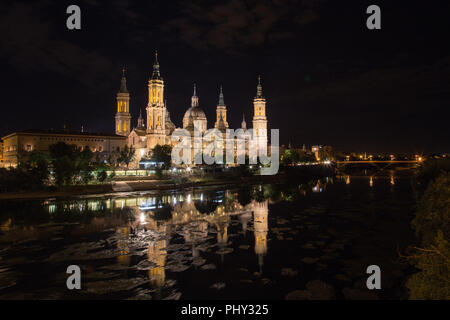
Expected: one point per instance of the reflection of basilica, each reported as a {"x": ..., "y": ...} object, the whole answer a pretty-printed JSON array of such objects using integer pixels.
[
  {"x": 194, "y": 215},
  {"x": 157, "y": 254},
  {"x": 260, "y": 217}
]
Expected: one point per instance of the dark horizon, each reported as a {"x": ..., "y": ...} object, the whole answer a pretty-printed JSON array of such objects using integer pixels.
[{"x": 327, "y": 78}]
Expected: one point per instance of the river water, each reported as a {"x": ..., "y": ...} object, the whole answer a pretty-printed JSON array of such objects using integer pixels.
[{"x": 310, "y": 240}]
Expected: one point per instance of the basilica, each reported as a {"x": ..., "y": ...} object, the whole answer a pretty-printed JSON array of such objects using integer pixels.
[{"x": 157, "y": 127}]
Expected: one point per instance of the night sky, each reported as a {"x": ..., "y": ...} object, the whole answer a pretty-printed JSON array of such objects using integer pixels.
[{"x": 327, "y": 78}]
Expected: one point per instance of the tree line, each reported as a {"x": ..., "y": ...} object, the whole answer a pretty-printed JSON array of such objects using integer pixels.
[
  {"x": 431, "y": 255},
  {"x": 62, "y": 165}
]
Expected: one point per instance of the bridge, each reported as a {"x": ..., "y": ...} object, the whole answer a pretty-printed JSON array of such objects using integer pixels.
[
  {"x": 376, "y": 161},
  {"x": 379, "y": 165}
]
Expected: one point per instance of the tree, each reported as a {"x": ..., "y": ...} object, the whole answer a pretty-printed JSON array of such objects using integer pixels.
[
  {"x": 432, "y": 226},
  {"x": 290, "y": 156},
  {"x": 62, "y": 160},
  {"x": 83, "y": 164},
  {"x": 307, "y": 157},
  {"x": 162, "y": 154},
  {"x": 69, "y": 163},
  {"x": 38, "y": 168},
  {"x": 126, "y": 155}
]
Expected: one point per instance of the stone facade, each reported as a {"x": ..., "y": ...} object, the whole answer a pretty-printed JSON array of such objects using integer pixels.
[
  {"x": 160, "y": 127},
  {"x": 18, "y": 145}
]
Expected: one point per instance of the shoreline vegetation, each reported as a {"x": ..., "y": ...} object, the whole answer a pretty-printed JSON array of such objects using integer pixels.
[
  {"x": 430, "y": 255},
  {"x": 121, "y": 184},
  {"x": 141, "y": 184}
]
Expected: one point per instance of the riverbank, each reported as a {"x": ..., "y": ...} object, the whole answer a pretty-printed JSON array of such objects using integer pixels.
[{"x": 136, "y": 185}]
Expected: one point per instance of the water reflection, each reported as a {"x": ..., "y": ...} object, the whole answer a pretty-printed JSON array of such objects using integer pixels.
[{"x": 156, "y": 234}]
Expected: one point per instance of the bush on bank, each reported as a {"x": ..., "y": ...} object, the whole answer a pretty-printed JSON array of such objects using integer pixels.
[{"x": 432, "y": 226}]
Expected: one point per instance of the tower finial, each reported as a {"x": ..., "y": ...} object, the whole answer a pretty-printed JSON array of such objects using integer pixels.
[
  {"x": 243, "y": 123},
  {"x": 123, "y": 82},
  {"x": 259, "y": 88},
  {"x": 221, "y": 99},
  {"x": 156, "y": 75},
  {"x": 194, "y": 100}
]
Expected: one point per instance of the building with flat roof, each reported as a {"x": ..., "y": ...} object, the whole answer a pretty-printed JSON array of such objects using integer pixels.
[{"x": 18, "y": 145}]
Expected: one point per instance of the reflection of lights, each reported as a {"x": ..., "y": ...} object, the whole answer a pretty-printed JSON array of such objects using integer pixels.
[
  {"x": 188, "y": 169},
  {"x": 142, "y": 218},
  {"x": 174, "y": 200},
  {"x": 188, "y": 199},
  {"x": 347, "y": 180},
  {"x": 144, "y": 207},
  {"x": 392, "y": 180},
  {"x": 201, "y": 197},
  {"x": 51, "y": 208},
  {"x": 371, "y": 182}
]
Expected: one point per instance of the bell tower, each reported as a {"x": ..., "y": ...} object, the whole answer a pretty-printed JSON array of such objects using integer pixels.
[
  {"x": 123, "y": 117},
  {"x": 156, "y": 110},
  {"x": 221, "y": 111},
  {"x": 259, "y": 116}
]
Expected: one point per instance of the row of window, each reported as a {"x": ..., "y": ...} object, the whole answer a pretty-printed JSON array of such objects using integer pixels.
[
  {"x": 29, "y": 148},
  {"x": 71, "y": 139},
  {"x": 11, "y": 148}
]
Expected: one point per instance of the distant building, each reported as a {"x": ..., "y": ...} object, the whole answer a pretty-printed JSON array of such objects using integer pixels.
[
  {"x": 316, "y": 151},
  {"x": 18, "y": 145}
]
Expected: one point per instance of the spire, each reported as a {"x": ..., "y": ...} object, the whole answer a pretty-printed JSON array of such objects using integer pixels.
[
  {"x": 221, "y": 125},
  {"x": 243, "y": 124},
  {"x": 156, "y": 75},
  {"x": 123, "y": 83},
  {"x": 194, "y": 100},
  {"x": 221, "y": 100},
  {"x": 259, "y": 89},
  {"x": 140, "y": 122}
]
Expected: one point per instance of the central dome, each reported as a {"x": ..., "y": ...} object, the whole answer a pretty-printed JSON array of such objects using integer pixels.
[{"x": 194, "y": 113}]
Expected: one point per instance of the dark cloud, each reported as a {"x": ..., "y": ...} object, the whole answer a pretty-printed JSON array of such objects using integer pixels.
[
  {"x": 32, "y": 45},
  {"x": 237, "y": 25}
]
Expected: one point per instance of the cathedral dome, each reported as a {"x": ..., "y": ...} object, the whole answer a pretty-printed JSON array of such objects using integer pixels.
[{"x": 195, "y": 113}]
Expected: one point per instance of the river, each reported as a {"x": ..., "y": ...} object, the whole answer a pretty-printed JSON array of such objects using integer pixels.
[{"x": 310, "y": 240}]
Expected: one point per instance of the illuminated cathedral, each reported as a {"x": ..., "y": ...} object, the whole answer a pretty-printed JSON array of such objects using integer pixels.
[{"x": 158, "y": 127}]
